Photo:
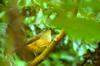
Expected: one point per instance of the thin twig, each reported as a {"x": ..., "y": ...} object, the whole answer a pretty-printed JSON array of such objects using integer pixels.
[{"x": 47, "y": 51}]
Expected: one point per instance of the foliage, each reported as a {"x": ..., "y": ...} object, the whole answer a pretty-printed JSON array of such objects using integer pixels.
[{"x": 80, "y": 19}]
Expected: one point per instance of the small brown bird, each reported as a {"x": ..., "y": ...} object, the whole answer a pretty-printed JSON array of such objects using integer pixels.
[{"x": 40, "y": 44}]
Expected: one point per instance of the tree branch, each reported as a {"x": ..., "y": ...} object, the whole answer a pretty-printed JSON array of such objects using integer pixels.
[{"x": 47, "y": 51}]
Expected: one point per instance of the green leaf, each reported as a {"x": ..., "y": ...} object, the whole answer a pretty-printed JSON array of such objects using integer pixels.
[{"x": 78, "y": 28}]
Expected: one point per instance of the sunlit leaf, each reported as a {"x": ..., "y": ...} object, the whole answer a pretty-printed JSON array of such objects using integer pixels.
[{"x": 78, "y": 28}]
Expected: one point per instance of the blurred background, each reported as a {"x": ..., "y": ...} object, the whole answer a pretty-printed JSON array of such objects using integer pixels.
[{"x": 20, "y": 20}]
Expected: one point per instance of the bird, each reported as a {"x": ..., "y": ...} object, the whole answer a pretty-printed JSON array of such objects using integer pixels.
[{"x": 39, "y": 45}]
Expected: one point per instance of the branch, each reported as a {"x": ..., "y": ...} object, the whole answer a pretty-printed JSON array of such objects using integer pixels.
[
  {"x": 47, "y": 51},
  {"x": 15, "y": 35}
]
